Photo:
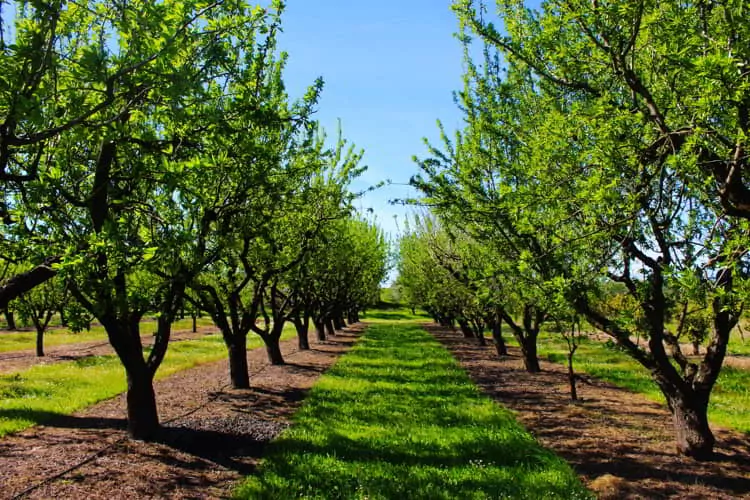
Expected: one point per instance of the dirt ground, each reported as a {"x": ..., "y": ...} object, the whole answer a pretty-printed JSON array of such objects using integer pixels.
[
  {"x": 213, "y": 435},
  {"x": 13, "y": 361},
  {"x": 620, "y": 443}
]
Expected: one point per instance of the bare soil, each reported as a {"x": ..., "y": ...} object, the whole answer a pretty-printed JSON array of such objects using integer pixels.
[
  {"x": 13, "y": 361},
  {"x": 620, "y": 443},
  {"x": 213, "y": 436}
]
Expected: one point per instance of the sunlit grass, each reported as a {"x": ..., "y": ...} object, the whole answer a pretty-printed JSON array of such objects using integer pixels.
[
  {"x": 398, "y": 418},
  {"x": 730, "y": 401},
  {"x": 18, "y": 341},
  {"x": 43, "y": 392}
]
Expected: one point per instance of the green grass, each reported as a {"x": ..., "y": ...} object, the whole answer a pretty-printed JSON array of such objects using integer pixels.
[
  {"x": 398, "y": 418},
  {"x": 44, "y": 392},
  {"x": 730, "y": 400},
  {"x": 18, "y": 341}
]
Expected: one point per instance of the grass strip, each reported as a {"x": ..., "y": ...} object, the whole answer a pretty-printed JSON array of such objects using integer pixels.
[
  {"x": 730, "y": 400},
  {"x": 21, "y": 341},
  {"x": 397, "y": 417},
  {"x": 43, "y": 392}
]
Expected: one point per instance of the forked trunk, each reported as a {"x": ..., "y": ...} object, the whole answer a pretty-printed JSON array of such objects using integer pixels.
[
  {"x": 238, "y": 369},
  {"x": 143, "y": 418},
  {"x": 694, "y": 436}
]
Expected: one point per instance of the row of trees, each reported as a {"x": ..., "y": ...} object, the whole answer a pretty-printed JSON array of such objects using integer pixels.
[
  {"x": 150, "y": 156},
  {"x": 604, "y": 148}
]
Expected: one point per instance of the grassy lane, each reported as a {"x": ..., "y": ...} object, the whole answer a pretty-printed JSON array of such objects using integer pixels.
[
  {"x": 730, "y": 400},
  {"x": 43, "y": 392},
  {"x": 398, "y": 418},
  {"x": 19, "y": 341}
]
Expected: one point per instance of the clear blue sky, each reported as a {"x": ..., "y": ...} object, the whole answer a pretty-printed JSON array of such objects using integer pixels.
[{"x": 390, "y": 68}]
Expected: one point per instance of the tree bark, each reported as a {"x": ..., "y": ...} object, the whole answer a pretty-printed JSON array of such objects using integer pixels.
[
  {"x": 10, "y": 319},
  {"x": 302, "y": 325},
  {"x": 330, "y": 330},
  {"x": 497, "y": 337},
  {"x": 528, "y": 351},
  {"x": 143, "y": 418},
  {"x": 195, "y": 323},
  {"x": 40, "y": 341},
  {"x": 320, "y": 330},
  {"x": 572, "y": 375},
  {"x": 690, "y": 418},
  {"x": 274, "y": 350},
  {"x": 466, "y": 329},
  {"x": 337, "y": 322},
  {"x": 238, "y": 369}
]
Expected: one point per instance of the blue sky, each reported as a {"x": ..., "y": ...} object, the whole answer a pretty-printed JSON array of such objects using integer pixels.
[{"x": 390, "y": 68}]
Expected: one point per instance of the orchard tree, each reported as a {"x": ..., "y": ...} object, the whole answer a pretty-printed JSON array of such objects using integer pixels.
[
  {"x": 39, "y": 305},
  {"x": 596, "y": 153}
]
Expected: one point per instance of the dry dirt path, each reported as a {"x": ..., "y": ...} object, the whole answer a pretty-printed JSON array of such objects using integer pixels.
[
  {"x": 620, "y": 443},
  {"x": 13, "y": 361},
  {"x": 213, "y": 435}
]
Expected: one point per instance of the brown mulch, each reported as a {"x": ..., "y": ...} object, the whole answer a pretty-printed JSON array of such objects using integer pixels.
[
  {"x": 213, "y": 436},
  {"x": 13, "y": 361},
  {"x": 620, "y": 443}
]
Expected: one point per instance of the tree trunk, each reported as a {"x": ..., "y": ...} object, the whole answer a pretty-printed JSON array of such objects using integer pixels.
[
  {"x": 10, "y": 319},
  {"x": 320, "y": 330},
  {"x": 274, "y": 350},
  {"x": 238, "y": 369},
  {"x": 330, "y": 330},
  {"x": 689, "y": 415},
  {"x": 337, "y": 322},
  {"x": 696, "y": 348},
  {"x": 466, "y": 329},
  {"x": 143, "y": 418},
  {"x": 40, "y": 341},
  {"x": 479, "y": 332},
  {"x": 528, "y": 350},
  {"x": 63, "y": 318},
  {"x": 195, "y": 323},
  {"x": 497, "y": 337},
  {"x": 303, "y": 327},
  {"x": 572, "y": 376}
]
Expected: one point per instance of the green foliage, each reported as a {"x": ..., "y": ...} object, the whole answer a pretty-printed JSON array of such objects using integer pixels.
[{"x": 398, "y": 418}]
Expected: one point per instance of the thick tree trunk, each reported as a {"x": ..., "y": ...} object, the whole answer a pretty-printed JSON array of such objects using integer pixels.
[
  {"x": 497, "y": 337},
  {"x": 528, "y": 351},
  {"x": 274, "y": 350},
  {"x": 10, "y": 319},
  {"x": 40, "y": 342},
  {"x": 479, "y": 332},
  {"x": 143, "y": 418},
  {"x": 337, "y": 322},
  {"x": 694, "y": 436},
  {"x": 238, "y": 369},
  {"x": 330, "y": 330},
  {"x": 696, "y": 348},
  {"x": 320, "y": 330}
]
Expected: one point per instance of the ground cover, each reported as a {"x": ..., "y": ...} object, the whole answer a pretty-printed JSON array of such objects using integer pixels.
[
  {"x": 730, "y": 401},
  {"x": 620, "y": 442},
  {"x": 25, "y": 340},
  {"x": 398, "y": 418},
  {"x": 44, "y": 392}
]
